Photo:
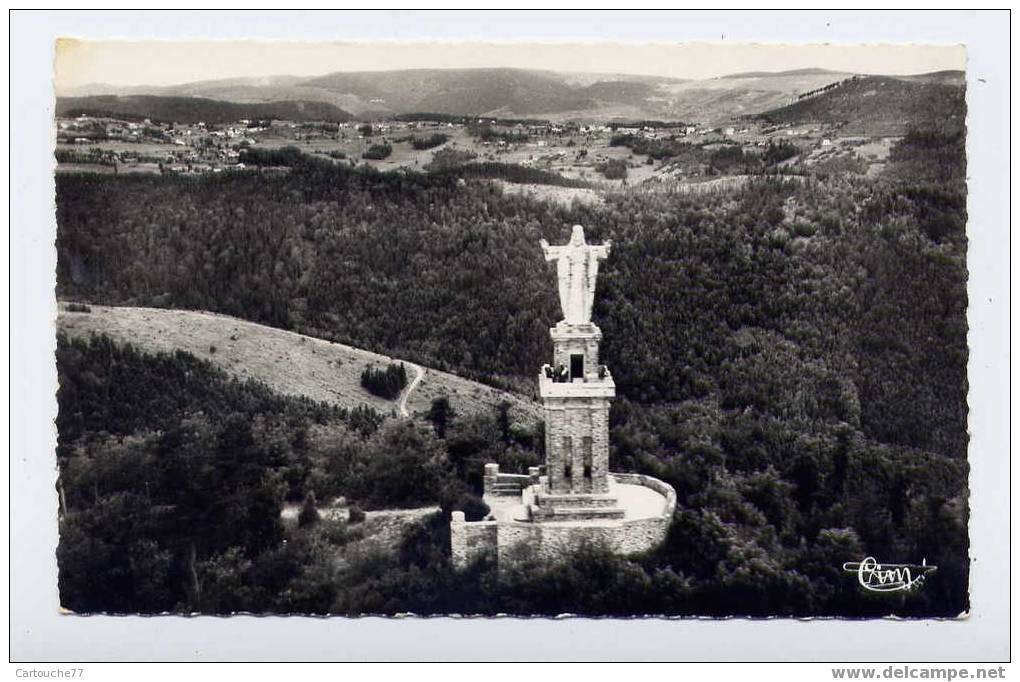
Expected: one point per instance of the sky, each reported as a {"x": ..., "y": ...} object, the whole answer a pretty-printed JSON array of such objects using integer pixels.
[{"x": 159, "y": 63}]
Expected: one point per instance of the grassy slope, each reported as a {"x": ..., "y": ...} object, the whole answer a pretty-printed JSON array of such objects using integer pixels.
[{"x": 287, "y": 362}]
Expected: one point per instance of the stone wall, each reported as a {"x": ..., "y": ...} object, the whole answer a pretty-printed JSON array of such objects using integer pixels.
[
  {"x": 552, "y": 540},
  {"x": 470, "y": 541}
]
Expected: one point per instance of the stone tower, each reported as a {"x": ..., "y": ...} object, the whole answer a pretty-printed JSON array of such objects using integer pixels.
[
  {"x": 576, "y": 391},
  {"x": 575, "y": 499}
]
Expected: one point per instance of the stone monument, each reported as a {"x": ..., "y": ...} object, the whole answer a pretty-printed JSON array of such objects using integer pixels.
[
  {"x": 574, "y": 497},
  {"x": 576, "y": 391}
]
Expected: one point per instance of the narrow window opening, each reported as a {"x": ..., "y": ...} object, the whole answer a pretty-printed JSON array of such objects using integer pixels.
[
  {"x": 586, "y": 455},
  {"x": 576, "y": 367},
  {"x": 568, "y": 457}
]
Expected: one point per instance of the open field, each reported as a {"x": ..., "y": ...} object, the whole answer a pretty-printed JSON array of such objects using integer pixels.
[
  {"x": 287, "y": 362},
  {"x": 123, "y": 146},
  {"x": 561, "y": 195}
]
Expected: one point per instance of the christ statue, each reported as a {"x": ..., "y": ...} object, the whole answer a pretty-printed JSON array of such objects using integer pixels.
[{"x": 577, "y": 265}]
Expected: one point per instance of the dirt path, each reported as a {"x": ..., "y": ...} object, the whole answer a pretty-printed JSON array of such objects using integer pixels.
[{"x": 420, "y": 374}]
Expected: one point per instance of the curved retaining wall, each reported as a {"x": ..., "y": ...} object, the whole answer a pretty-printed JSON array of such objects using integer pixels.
[{"x": 501, "y": 540}]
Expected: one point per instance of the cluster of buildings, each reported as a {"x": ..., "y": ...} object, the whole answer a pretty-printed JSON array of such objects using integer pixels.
[{"x": 157, "y": 147}]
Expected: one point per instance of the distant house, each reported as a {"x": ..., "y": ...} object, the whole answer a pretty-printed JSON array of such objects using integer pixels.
[{"x": 826, "y": 142}]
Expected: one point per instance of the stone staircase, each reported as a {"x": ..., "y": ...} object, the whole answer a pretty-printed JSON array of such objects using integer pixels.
[
  {"x": 540, "y": 513},
  {"x": 575, "y": 507},
  {"x": 506, "y": 485},
  {"x": 574, "y": 500},
  {"x": 505, "y": 488}
]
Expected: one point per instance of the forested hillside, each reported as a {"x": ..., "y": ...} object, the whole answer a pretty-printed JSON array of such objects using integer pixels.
[
  {"x": 195, "y": 109},
  {"x": 879, "y": 105},
  {"x": 848, "y": 293},
  {"x": 172, "y": 477},
  {"x": 790, "y": 356}
]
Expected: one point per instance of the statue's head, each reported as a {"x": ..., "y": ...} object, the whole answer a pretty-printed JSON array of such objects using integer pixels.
[{"x": 577, "y": 236}]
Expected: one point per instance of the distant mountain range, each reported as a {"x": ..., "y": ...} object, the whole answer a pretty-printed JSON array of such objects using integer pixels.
[{"x": 502, "y": 92}]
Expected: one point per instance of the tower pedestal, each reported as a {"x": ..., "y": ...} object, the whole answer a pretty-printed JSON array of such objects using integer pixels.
[{"x": 576, "y": 393}]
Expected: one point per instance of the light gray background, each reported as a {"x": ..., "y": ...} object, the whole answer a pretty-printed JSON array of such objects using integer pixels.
[{"x": 40, "y": 633}]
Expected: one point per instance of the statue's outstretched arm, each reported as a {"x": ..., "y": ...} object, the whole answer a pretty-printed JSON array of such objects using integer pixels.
[{"x": 551, "y": 252}]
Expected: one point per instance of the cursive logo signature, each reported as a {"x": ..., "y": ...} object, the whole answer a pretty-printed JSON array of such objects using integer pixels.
[{"x": 876, "y": 577}]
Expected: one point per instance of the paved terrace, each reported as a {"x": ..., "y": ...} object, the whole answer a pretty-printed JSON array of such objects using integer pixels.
[{"x": 637, "y": 501}]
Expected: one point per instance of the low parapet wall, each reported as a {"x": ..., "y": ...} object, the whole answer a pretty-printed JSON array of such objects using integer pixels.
[
  {"x": 664, "y": 489},
  {"x": 502, "y": 539},
  {"x": 496, "y": 483}
]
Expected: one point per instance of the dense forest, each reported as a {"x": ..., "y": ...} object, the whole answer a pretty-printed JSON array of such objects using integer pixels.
[
  {"x": 790, "y": 356},
  {"x": 386, "y": 382},
  {"x": 195, "y": 109},
  {"x": 170, "y": 471}
]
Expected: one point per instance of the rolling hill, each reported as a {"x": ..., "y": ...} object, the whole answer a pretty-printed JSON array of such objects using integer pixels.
[
  {"x": 289, "y": 363},
  {"x": 505, "y": 92},
  {"x": 879, "y": 105},
  {"x": 518, "y": 93},
  {"x": 194, "y": 109},
  {"x": 459, "y": 91}
]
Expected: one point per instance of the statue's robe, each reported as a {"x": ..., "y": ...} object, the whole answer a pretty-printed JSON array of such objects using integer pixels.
[{"x": 577, "y": 266}]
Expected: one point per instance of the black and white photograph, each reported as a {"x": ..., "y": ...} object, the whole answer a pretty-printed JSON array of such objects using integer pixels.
[{"x": 555, "y": 330}]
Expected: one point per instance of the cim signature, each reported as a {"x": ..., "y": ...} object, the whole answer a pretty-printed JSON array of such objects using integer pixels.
[{"x": 877, "y": 577}]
